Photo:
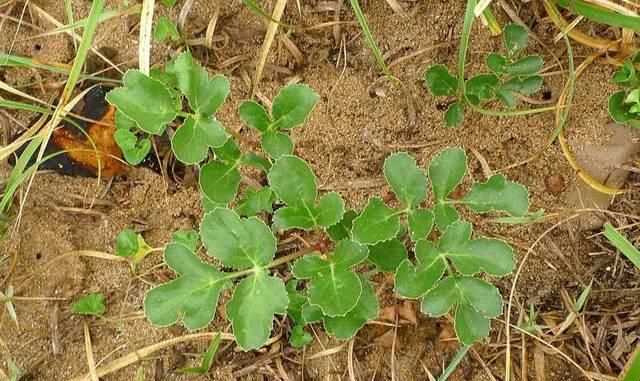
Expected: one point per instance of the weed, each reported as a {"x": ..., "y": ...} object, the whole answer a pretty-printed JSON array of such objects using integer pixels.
[
  {"x": 624, "y": 105},
  {"x": 509, "y": 74},
  {"x": 166, "y": 29},
  {"x": 90, "y": 304},
  {"x": 326, "y": 287}
]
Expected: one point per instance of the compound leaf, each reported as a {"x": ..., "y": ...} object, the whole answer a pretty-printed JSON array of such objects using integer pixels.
[
  {"x": 237, "y": 242},
  {"x": 376, "y": 223},
  {"x": 440, "y": 82},
  {"x": 252, "y": 307},
  {"x": 299, "y": 337},
  {"x": 413, "y": 281},
  {"x": 498, "y": 194},
  {"x": 494, "y": 256},
  {"x": 145, "y": 101},
  {"x": 345, "y": 327},
  {"x": 205, "y": 95},
  {"x": 192, "y": 297},
  {"x": 528, "y": 65},
  {"x": 447, "y": 170},
  {"x": 193, "y": 138},
  {"x": 407, "y": 180},
  {"x": 293, "y": 105}
]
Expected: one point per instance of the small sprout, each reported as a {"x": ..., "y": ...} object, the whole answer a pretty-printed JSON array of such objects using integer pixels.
[
  {"x": 509, "y": 75},
  {"x": 624, "y": 105},
  {"x": 166, "y": 29},
  {"x": 130, "y": 244},
  {"x": 291, "y": 108},
  {"x": 207, "y": 359},
  {"x": 90, "y": 304}
]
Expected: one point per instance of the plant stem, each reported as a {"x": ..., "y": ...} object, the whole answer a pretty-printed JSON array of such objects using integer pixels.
[
  {"x": 277, "y": 262},
  {"x": 464, "y": 43}
]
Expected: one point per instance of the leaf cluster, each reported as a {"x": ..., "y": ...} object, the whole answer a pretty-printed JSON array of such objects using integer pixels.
[
  {"x": 509, "y": 74},
  {"x": 624, "y": 105}
]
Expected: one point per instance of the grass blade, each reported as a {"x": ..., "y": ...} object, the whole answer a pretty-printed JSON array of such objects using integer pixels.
[
  {"x": 454, "y": 363},
  {"x": 207, "y": 359},
  {"x": 12, "y": 60},
  {"x": 255, "y": 8},
  {"x": 632, "y": 369},
  {"x": 370, "y": 40},
  {"x": 628, "y": 20},
  {"x": 622, "y": 244}
]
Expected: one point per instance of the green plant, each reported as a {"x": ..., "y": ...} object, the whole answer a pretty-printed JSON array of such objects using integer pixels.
[
  {"x": 624, "y": 105},
  {"x": 90, "y": 304},
  {"x": 509, "y": 74},
  {"x": 165, "y": 28},
  {"x": 326, "y": 286},
  {"x": 207, "y": 359},
  {"x": 622, "y": 244}
]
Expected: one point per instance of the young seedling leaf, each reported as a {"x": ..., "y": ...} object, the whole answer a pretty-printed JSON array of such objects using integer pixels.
[
  {"x": 296, "y": 302},
  {"x": 329, "y": 210},
  {"x": 134, "y": 150},
  {"x": 413, "y": 281},
  {"x": 193, "y": 138},
  {"x": 293, "y": 105},
  {"x": 483, "y": 86},
  {"x": 342, "y": 230},
  {"x": 165, "y": 28},
  {"x": 388, "y": 255},
  {"x": 255, "y": 201},
  {"x": 276, "y": 144},
  {"x": 239, "y": 243},
  {"x": 252, "y": 307},
  {"x": 144, "y": 100},
  {"x": 188, "y": 238},
  {"x": 420, "y": 223},
  {"x": 626, "y": 76},
  {"x": 219, "y": 181},
  {"x": 506, "y": 97},
  {"x": 332, "y": 287},
  {"x": 256, "y": 161},
  {"x": 516, "y": 38},
  {"x": 446, "y": 171},
  {"x": 299, "y": 337},
  {"x": 127, "y": 243},
  {"x": 376, "y": 223},
  {"x": 345, "y": 327},
  {"x": 498, "y": 194},
  {"x": 255, "y": 116},
  {"x": 444, "y": 215},
  {"x": 440, "y": 82},
  {"x": 90, "y": 304},
  {"x": 528, "y": 65},
  {"x": 192, "y": 297},
  {"x": 207, "y": 359},
  {"x": 496, "y": 63},
  {"x": 407, "y": 180},
  {"x": 169, "y": 3},
  {"x": 454, "y": 114},
  {"x": 205, "y": 95},
  {"x": 524, "y": 86}
]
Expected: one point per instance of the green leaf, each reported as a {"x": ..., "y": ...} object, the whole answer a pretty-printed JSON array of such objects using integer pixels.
[
  {"x": 515, "y": 37},
  {"x": 165, "y": 28},
  {"x": 207, "y": 359},
  {"x": 219, "y": 181},
  {"x": 376, "y": 223},
  {"x": 127, "y": 243},
  {"x": 299, "y": 337},
  {"x": 255, "y": 201},
  {"x": 413, "y": 281},
  {"x": 420, "y": 223},
  {"x": 528, "y": 65},
  {"x": 239, "y": 243},
  {"x": 481, "y": 295},
  {"x": 444, "y": 215},
  {"x": 440, "y": 82},
  {"x": 439, "y": 300},
  {"x": 192, "y": 140},
  {"x": 255, "y": 116},
  {"x": 345, "y": 327},
  {"x": 332, "y": 287},
  {"x": 145, "y": 101},
  {"x": 296, "y": 302},
  {"x": 482, "y": 85},
  {"x": 388, "y": 255},
  {"x": 293, "y": 105},
  {"x": 407, "y": 180},
  {"x": 169, "y": 3},
  {"x": 618, "y": 109},
  {"x": 256, "y": 161},
  {"x": 329, "y": 210},
  {"x": 455, "y": 237},
  {"x": 205, "y": 95},
  {"x": 496, "y": 63},
  {"x": 192, "y": 297},
  {"x": 454, "y": 114},
  {"x": 90, "y": 304},
  {"x": 342, "y": 230},
  {"x": 188, "y": 238},
  {"x": 498, "y": 194},
  {"x": 626, "y": 76},
  {"x": 622, "y": 244},
  {"x": 311, "y": 313},
  {"x": 470, "y": 325},
  {"x": 276, "y": 144},
  {"x": 506, "y": 97},
  {"x": 447, "y": 170},
  {"x": 229, "y": 151},
  {"x": 134, "y": 150},
  {"x": 524, "y": 86},
  {"x": 252, "y": 307}
]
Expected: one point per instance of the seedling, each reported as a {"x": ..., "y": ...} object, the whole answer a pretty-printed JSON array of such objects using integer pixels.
[
  {"x": 509, "y": 74},
  {"x": 166, "y": 29},
  {"x": 624, "y": 105},
  {"x": 132, "y": 245},
  {"x": 207, "y": 359},
  {"x": 90, "y": 304}
]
